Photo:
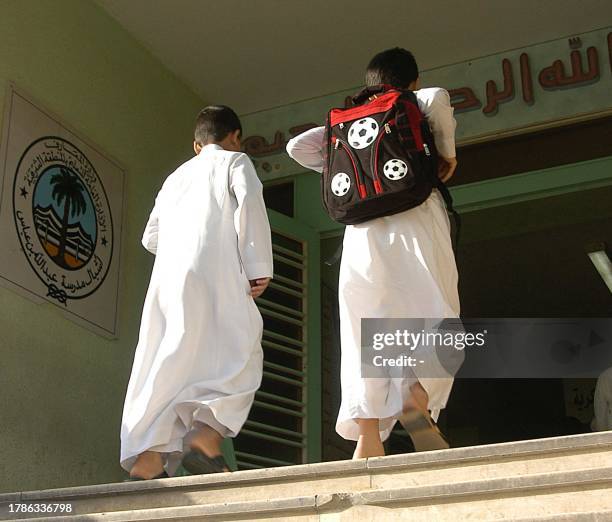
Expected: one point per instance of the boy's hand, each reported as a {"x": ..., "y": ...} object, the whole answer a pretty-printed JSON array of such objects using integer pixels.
[
  {"x": 258, "y": 286},
  {"x": 446, "y": 168}
]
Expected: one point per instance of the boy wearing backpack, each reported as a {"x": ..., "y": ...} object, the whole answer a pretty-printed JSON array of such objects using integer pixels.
[{"x": 398, "y": 265}]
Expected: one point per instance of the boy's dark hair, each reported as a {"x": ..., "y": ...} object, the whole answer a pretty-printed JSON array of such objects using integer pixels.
[
  {"x": 214, "y": 123},
  {"x": 396, "y": 67}
]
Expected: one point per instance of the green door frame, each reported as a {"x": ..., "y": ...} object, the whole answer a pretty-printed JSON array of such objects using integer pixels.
[
  {"x": 471, "y": 197},
  {"x": 299, "y": 231},
  {"x": 536, "y": 184}
]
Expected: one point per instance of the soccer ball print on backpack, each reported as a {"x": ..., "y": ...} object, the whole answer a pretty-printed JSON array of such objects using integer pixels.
[
  {"x": 362, "y": 133},
  {"x": 381, "y": 157},
  {"x": 395, "y": 169}
]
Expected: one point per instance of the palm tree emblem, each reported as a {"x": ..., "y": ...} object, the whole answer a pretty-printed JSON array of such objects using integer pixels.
[{"x": 67, "y": 190}]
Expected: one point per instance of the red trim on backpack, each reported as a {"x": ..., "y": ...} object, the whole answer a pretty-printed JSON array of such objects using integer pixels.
[
  {"x": 361, "y": 188},
  {"x": 381, "y": 104},
  {"x": 377, "y": 185},
  {"x": 414, "y": 117}
]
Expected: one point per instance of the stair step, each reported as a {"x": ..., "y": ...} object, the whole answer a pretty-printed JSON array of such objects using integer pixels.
[
  {"x": 573, "y": 491},
  {"x": 543, "y": 477}
]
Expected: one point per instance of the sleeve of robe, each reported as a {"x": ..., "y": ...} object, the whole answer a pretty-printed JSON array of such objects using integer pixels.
[
  {"x": 251, "y": 219},
  {"x": 307, "y": 148},
  {"x": 149, "y": 237},
  {"x": 436, "y": 107}
]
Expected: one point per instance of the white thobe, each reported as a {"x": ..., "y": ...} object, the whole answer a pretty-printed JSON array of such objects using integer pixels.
[
  {"x": 602, "y": 402},
  {"x": 199, "y": 354},
  {"x": 392, "y": 267}
]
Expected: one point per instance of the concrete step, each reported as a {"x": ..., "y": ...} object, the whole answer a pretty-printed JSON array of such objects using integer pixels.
[{"x": 531, "y": 480}]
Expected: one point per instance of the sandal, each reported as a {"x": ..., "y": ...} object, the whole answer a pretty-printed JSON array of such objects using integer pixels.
[
  {"x": 423, "y": 431},
  {"x": 198, "y": 463},
  {"x": 163, "y": 474}
]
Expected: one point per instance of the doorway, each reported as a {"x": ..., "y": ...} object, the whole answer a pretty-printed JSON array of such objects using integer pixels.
[{"x": 526, "y": 258}]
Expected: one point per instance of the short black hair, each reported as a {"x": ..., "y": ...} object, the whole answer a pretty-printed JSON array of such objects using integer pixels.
[
  {"x": 396, "y": 67},
  {"x": 214, "y": 123}
]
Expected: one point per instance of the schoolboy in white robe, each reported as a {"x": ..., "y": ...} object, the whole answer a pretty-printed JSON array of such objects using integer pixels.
[
  {"x": 394, "y": 266},
  {"x": 199, "y": 358}
]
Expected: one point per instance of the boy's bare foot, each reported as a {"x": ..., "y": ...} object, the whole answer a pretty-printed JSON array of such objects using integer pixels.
[
  {"x": 148, "y": 465},
  {"x": 369, "y": 443}
]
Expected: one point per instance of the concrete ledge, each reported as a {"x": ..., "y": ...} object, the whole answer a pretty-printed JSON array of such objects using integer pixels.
[
  {"x": 310, "y": 507},
  {"x": 246, "y": 509},
  {"x": 217, "y": 480},
  {"x": 9, "y": 497},
  {"x": 525, "y": 448},
  {"x": 600, "y": 441},
  {"x": 514, "y": 486},
  {"x": 596, "y": 516}
]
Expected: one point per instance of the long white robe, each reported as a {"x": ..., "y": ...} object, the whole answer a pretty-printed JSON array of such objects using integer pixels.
[
  {"x": 602, "y": 402},
  {"x": 392, "y": 267},
  {"x": 199, "y": 354}
]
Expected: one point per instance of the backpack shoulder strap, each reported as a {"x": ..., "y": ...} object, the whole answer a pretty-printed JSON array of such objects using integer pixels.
[
  {"x": 374, "y": 90},
  {"x": 404, "y": 115}
]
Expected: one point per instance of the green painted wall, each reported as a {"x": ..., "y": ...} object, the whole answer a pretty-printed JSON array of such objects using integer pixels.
[{"x": 62, "y": 387}]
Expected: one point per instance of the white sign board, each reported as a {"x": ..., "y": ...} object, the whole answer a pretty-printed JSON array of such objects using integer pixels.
[{"x": 60, "y": 217}]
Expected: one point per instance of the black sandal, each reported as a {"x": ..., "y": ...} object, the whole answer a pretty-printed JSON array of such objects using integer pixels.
[
  {"x": 197, "y": 463},
  {"x": 163, "y": 474}
]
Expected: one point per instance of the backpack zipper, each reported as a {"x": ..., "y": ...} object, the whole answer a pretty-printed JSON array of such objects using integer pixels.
[
  {"x": 377, "y": 184},
  {"x": 361, "y": 189}
]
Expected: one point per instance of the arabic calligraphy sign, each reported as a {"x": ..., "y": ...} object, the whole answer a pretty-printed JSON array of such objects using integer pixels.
[
  {"x": 510, "y": 92},
  {"x": 60, "y": 217}
]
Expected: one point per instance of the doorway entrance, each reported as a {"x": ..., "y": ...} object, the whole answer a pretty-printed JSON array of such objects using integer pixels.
[
  {"x": 526, "y": 223},
  {"x": 522, "y": 253}
]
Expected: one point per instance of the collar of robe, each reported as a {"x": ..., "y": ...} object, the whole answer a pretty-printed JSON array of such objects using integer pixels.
[{"x": 211, "y": 146}]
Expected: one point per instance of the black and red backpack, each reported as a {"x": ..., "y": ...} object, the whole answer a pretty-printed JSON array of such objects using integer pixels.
[{"x": 381, "y": 157}]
